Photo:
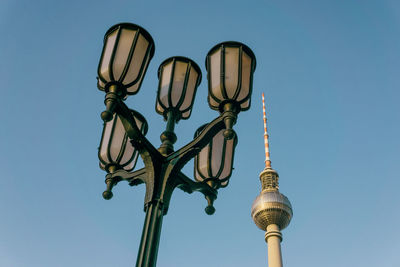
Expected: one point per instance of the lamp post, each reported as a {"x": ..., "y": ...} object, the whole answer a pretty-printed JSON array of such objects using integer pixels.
[{"x": 127, "y": 51}]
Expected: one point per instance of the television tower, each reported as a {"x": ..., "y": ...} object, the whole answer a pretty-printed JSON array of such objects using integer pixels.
[{"x": 271, "y": 210}]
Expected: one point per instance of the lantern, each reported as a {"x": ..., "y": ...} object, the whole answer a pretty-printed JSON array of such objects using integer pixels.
[
  {"x": 115, "y": 149},
  {"x": 179, "y": 78},
  {"x": 230, "y": 67},
  {"x": 215, "y": 161},
  {"x": 127, "y": 51}
]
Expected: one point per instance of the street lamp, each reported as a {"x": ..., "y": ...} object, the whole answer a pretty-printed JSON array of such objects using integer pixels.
[{"x": 127, "y": 51}]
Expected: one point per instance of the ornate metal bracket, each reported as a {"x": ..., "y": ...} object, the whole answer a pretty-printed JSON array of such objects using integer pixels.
[{"x": 162, "y": 173}]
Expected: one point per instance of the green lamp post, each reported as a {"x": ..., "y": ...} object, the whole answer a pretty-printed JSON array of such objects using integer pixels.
[{"x": 127, "y": 51}]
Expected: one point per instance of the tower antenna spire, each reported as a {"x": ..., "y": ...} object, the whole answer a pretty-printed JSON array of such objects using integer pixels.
[{"x": 266, "y": 137}]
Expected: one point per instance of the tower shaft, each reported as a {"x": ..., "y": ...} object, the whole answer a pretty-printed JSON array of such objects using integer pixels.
[{"x": 273, "y": 237}]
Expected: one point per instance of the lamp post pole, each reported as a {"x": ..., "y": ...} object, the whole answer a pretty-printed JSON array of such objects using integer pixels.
[
  {"x": 127, "y": 51},
  {"x": 148, "y": 249}
]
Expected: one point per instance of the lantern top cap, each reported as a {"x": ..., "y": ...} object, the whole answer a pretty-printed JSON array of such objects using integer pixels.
[
  {"x": 234, "y": 44},
  {"x": 180, "y": 58},
  {"x": 132, "y": 26}
]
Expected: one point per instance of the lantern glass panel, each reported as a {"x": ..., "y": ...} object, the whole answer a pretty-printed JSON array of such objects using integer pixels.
[
  {"x": 137, "y": 60},
  {"x": 117, "y": 139},
  {"x": 229, "y": 146},
  {"x": 215, "y": 74},
  {"x": 186, "y": 114},
  {"x": 108, "y": 49},
  {"x": 197, "y": 176},
  {"x": 135, "y": 87},
  {"x": 128, "y": 152},
  {"x": 222, "y": 156},
  {"x": 103, "y": 154},
  {"x": 133, "y": 162},
  {"x": 202, "y": 164},
  {"x": 100, "y": 84},
  {"x": 246, "y": 73},
  {"x": 178, "y": 82},
  {"x": 224, "y": 183},
  {"x": 159, "y": 108},
  {"x": 121, "y": 57},
  {"x": 231, "y": 71},
  {"x": 165, "y": 82},
  {"x": 190, "y": 90},
  {"x": 217, "y": 153},
  {"x": 245, "y": 105},
  {"x": 212, "y": 102}
]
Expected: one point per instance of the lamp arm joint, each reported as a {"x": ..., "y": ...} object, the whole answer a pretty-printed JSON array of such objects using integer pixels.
[
  {"x": 189, "y": 186},
  {"x": 133, "y": 178},
  {"x": 138, "y": 140},
  {"x": 190, "y": 150}
]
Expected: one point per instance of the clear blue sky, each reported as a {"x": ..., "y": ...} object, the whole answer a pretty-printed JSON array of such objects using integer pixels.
[{"x": 330, "y": 73}]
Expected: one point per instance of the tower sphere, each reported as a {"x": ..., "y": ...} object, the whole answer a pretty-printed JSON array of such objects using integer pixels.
[{"x": 271, "y": 207}]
